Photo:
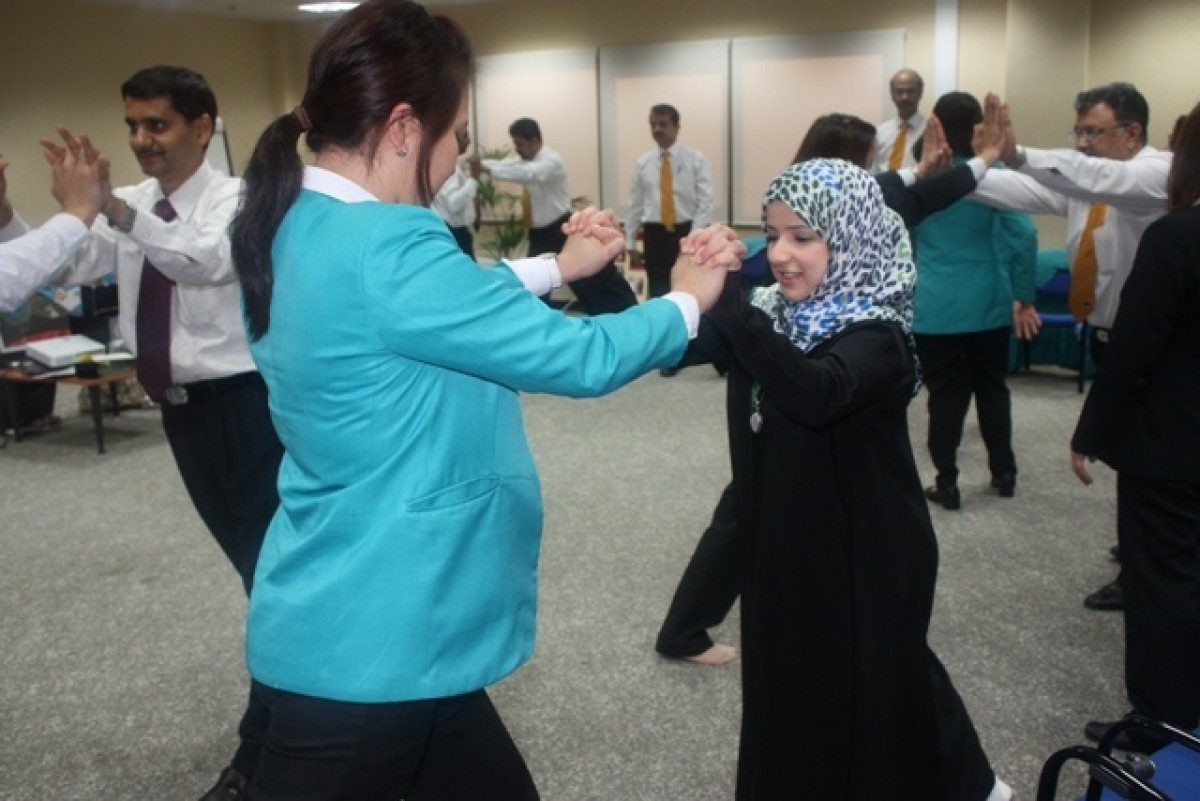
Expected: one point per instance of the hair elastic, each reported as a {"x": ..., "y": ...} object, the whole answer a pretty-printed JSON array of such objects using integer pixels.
[{"x": 300, "y": 114}]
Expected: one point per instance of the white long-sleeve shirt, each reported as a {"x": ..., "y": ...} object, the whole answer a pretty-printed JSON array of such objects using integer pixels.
[
  {"x": 29, "y": 259},
  {"x": 691, "y": 183},
  {"x": 208, "y": 335},
  {"x": 885, "y": 138},
  {"x": 1066, "y": 182},
  {"x": 546, "y": 176},
  {"x": 455, "y": 201}
]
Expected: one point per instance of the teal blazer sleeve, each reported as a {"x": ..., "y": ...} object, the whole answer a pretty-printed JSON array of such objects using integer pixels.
[{"x": 444, "y": 309}]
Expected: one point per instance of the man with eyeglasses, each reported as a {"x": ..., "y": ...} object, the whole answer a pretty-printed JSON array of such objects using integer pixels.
[
  {"x": 1110, "y": 187},
  {"x": 1111, "y": 164}
]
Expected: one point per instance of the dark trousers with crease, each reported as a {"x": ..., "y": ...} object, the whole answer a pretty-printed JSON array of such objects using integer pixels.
[
  {"x": 462, "y": 235},
  {"x": 605, "y": 292},
  {"x": 444, "y": 749},
  {"x": 955, "y": 368},
  {"x": 660, "y": 249},
  {"x": 1158, "y": 528},
  {"x": 228, "y": 456},
  {"x": 708, "y": 588}
]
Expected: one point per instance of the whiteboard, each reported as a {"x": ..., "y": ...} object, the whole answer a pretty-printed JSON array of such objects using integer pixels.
[
  {"x": 779, "y": 85},
  {"x": 555, "y": 87},
  {"x": 744, "y": 102},
  {"x": 691, "y": 76},
  {"x": 217, "y": 154}
]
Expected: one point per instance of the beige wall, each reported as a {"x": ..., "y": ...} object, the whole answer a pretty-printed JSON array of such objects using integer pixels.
[
  {"x": 551, "y": 24},
  {"x": 63, "y": 62},
  {"x": 1153, "y": 45}
]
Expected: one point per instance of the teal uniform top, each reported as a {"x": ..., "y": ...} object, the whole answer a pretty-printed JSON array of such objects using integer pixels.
[{"x": 402, "y": 562}]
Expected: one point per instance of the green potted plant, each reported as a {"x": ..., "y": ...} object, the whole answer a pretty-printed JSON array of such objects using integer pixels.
[{"x": 500, "y": 211}]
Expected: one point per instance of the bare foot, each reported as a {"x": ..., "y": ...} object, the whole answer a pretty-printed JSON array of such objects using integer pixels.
[{"x": 715, "y": 656}]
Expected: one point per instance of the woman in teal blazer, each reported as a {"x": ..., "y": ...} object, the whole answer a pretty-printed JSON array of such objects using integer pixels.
[
  {"x": 398, "y": 578},
  {"x": 972, "y": 262}
]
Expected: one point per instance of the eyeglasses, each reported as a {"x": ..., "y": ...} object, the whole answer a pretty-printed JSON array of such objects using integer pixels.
[{"x": 1092, "y": 133}]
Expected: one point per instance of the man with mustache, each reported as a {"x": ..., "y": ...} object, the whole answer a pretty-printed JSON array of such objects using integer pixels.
[{"x": 181, "y": 312}]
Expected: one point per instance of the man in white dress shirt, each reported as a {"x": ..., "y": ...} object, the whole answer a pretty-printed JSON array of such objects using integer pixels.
[
  {"x": 29, "y": 258},
  {"x": 666, "y": 211},
  {"x": 542, "y": 171},
  {"x": 1110, "y": 188},
  {"x": 455, "y": 201},
  {"x": 181, "y": 312},
  {"x": 894, "y": 138}
]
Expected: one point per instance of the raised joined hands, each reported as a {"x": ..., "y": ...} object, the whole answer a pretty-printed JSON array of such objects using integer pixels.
[
  {"x": 79, "y": 175},
  {"x": 935, "y": 151},
  {"x": 994, "y": 138},
  {"x": 705, "y": 256},
  {"x": 594, "y": 238}
]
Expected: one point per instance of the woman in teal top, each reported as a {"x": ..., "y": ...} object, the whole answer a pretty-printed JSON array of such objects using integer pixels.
[
  {"x": 398, "y": 578},
  {"x": 972, "y": 262}
]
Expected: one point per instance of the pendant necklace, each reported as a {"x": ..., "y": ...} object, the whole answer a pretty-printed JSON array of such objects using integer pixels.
[{"x": 756, "y": 418}]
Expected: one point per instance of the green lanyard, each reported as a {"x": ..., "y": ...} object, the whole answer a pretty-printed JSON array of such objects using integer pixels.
[{"x": 756, "y": 418}]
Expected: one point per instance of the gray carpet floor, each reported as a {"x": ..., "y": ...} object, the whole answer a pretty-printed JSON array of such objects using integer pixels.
[{"x": 121, "y": 672}]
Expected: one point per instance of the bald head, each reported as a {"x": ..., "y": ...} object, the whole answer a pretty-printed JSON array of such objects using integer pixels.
[{"x": 907, "y": 88}]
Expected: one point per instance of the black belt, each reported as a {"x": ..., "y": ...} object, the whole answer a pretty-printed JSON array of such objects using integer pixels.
[{"x": 199, "y": 391}]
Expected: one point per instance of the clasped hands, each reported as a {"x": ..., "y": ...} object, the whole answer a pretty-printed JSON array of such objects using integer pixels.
[
  {"x": 79, "y": 175},
  {"x": 992, "y": 139},
  {"x": 595, "y": 238}
]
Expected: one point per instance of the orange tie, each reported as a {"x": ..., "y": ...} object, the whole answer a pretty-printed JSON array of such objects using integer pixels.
[
  {"x": 1082, "y": 297},
  {"x": 526, "y": 208},
  {"x": 666, "y": 192},
  {"x": 896, "y": 157}
]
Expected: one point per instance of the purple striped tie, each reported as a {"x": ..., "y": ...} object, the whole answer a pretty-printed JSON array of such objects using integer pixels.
[{"x": 154, "y": 321}]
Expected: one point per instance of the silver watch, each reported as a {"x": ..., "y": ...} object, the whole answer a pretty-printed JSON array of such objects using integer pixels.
[{"x": 130, "y": 216}]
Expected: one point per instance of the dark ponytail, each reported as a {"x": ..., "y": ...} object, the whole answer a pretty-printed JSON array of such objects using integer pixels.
[
  {"x": 380, "y": 54},
  {"x": 272, "y": 183}
]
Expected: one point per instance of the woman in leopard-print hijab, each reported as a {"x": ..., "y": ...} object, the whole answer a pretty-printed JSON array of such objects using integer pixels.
[
  {"x": 871, "y": 274},
  {"x": 843, "y": 700}
]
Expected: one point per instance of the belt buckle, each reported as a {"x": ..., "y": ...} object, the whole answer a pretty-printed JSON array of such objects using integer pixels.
[{"x": 175, "y": 395}]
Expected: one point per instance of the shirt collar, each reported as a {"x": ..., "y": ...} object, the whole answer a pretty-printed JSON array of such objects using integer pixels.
[
  {"x": 184, "y": 199},
  {"x": 338, "y": 187}
]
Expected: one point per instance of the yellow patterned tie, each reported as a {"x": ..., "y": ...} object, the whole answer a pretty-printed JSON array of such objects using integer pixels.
[
  {"x": 896, "y": 157},
  {"x": 1082, "y": 297},
  {"x": 666, "y": 192},
  {"x": 526, "y": 208}
]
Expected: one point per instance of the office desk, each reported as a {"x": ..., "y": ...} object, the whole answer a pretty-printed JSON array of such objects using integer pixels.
[{"x": 93, "y": 385}]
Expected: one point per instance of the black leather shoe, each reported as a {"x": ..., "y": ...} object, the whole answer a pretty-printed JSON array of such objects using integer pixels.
[
  {"x": 1006, "y": 484},
  {"x": 1109, "y": 598},
  {"x": 230, "y": 787},
  {"x": 1132, "y": 739},
  {"x": 948, "y": 497}
]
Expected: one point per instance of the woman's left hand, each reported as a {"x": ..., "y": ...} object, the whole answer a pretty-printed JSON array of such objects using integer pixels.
[
  {"x": 594, "y": 238},
  {"x": 1026, "y": 322},
  {"x": 1079, "y": 467},
  {"x": 713, "y": 246}
]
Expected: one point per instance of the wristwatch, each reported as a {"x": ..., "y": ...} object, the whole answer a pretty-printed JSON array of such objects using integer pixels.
[{"x": 130, "y": 216}]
